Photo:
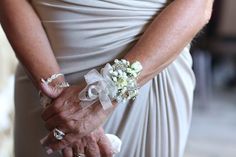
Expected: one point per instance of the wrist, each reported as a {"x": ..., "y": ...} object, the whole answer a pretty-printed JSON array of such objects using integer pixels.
[
  {"x": 52, "y": 83},
  {"x": 55, "y": 82}
]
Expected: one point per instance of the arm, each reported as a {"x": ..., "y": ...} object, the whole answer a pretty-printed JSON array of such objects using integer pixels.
[
  {"x": 168, "y": 34},
  {"x": 28, "y": 39},
  {"x": 160, "y": 44}
]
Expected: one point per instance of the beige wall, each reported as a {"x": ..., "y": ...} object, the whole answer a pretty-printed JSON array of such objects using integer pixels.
[
  {"x": 7, "y": 59},
  {"x": 7, "y": 67}
]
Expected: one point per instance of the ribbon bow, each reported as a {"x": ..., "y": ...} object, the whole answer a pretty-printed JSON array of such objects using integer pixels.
[{"x": 99, "y": 86}]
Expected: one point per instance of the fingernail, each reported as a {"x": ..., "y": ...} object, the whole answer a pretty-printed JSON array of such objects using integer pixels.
[
  {"x": 42, "y": 80},
  {"x": 43, "y": 140},
  {"x": 49, "y": 151}
]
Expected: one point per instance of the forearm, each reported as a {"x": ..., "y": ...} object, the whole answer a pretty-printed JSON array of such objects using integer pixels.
[
  {"x": 28, "y": 39},
  {"x": 168, "y": 34}
]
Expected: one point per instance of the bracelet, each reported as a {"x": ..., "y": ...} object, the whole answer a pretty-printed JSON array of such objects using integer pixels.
[
  {"x": 44, "y": 100},
  {"x": 114, "y": 82},
  {"x": 62, "y": 85},
  {"x": 51, "y": 78}
]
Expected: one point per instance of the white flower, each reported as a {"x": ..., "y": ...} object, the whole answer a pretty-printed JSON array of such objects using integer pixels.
[
  {"x": 129, "y": 70},
  {"x": 114, "y": 78},
  {"x": 124, "y": 76},
  {"x": 137, "y": 66},
  {"x": 132, "y": 93},
  {"x": 122, "y": 82},
  {"x": 115, "y": 73},
  {"x": 123, "y": 61},
  {"x": 120, "y": 72},
  {"x": 123, "y": 90},
  {"x": 116, "y": 61}
]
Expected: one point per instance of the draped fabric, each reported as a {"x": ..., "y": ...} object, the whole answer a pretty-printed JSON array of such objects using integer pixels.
[{"x": 86, "y": 34}]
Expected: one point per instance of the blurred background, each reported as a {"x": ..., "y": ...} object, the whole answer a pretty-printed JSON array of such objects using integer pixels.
[{"x": 213, "y": 129}]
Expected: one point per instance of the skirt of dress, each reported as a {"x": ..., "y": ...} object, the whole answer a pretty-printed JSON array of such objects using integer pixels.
[{"x": 86, "y": 34}]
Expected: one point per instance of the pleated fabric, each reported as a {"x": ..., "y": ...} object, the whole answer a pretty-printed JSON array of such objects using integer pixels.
[{"x": 86, "y": 34}]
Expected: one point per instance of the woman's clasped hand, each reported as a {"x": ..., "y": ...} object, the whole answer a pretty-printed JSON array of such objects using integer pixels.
[{"x": 74, "y": 130}]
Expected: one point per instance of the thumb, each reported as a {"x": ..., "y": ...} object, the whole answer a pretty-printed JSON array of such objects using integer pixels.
[{"x": 50, "y": 91}]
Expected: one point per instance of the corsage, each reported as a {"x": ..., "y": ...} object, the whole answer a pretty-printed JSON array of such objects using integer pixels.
[{"x": 114, "y": 82}]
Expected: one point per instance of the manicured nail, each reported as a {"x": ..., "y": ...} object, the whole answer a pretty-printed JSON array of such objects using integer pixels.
[
  {"x": 42, "y": 80},
  {"x": 49, "y": 151},
  {"x": 43, "y": 140}
]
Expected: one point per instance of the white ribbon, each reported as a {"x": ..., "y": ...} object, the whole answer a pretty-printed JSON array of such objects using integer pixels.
[{"x": 99, "y": 86}]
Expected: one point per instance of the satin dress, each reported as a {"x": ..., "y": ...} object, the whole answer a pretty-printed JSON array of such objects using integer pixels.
[{"x": 86, "y": 34}]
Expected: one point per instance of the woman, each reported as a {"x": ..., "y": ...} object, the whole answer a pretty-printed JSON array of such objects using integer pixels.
[{"x": 74, "y": 36}]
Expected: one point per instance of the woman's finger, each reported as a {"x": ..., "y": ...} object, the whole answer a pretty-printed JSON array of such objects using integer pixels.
[
  {"x": 60, "y": 106},
  {"x": 52, "y": 109},
  {"x": 91, "y": 149},
  {"x": 78, "y": 148},
  {"x": 52, "y": 144},
  {"x": 60, "y": 120},
  {"x": 67, "y": 152},
  {"x": 67, "y": 120},
  {"x": 71, "y": 121},
  {"x": 105, "y": 146},
  {"x": 50, "y": 91}
]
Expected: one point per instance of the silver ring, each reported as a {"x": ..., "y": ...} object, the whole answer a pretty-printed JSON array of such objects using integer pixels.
[
  {"x": 58, "y": 134},
  {"x": 79, "y": 155}
]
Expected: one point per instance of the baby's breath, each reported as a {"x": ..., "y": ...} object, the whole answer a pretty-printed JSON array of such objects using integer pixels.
[{"x": 124, "y": 76}]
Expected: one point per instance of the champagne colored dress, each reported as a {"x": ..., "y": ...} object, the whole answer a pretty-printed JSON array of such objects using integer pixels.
[{"x": 86, "y": 34}]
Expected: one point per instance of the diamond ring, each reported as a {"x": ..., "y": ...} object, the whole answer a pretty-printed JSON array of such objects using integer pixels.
[{"x": 58, "y": 134}]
